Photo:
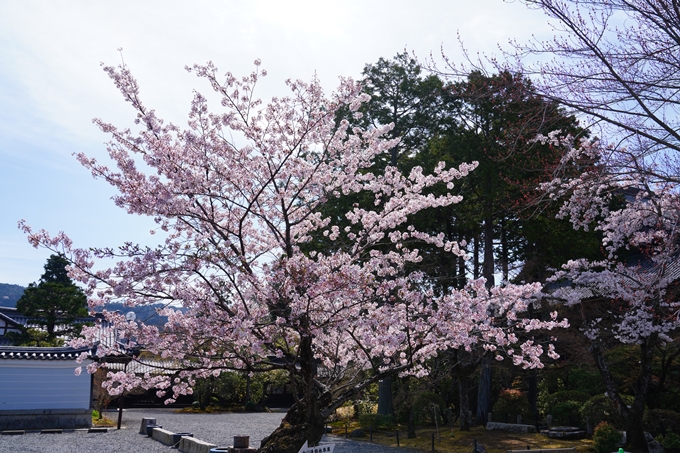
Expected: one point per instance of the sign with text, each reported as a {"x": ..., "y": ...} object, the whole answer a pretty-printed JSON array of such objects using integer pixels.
[{"x": 323, "y": 448}]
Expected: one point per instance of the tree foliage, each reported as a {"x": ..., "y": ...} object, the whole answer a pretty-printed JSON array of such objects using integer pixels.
[{"x": 53, "y": 304}]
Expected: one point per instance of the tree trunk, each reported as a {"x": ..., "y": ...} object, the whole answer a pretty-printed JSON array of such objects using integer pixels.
[
  {"x": 464, "y": 398},
  {"x": 304, "y": 421},
  {"x": 505, "y": 257},
  {"x": 411, "y": 432},
  {"x": 475, "y": 263},
  {"x": 385, "y": 396},
  {"x": 296, "y": 428},
  {"x": 484, "y": 392},
  {"x": 635, "y": 436},
  {"x": 668, "y": 354},
  {"x": 533, "y": 395},
  {"x": 462, "y": 268},
  {"x": 488, "y": 265},
  {"x": 246, "y": 397}
]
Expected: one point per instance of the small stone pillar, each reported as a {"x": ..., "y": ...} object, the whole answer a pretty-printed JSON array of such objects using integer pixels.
[
  {"x": 549, "y": 420},
  {"x": 241, "y": 441},
  {"x": 519, "y": 419},
  {"x": 489, "y": 417},
  {"x": 449, "y": 418},
  {"x": 241, "y": 445},
  {"x": 146, "y": 422}
]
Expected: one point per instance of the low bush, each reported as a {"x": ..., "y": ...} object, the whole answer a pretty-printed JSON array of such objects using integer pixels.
[
  {"x": 660, "y": 421},
  {"x": 670, "y": 440},
  {"x": 607, "y": 438},
  {"x": 424, "y": 408},
  {"x": 600, "y": 409},
  {"x": 568, "y": 413},
  {"x": 510, "y": 403},
  {"x": 367, "y": 421},
  {"x": 564, "y": 406}
]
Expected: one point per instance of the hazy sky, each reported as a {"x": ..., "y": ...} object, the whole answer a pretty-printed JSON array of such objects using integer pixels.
[{"x": 52, "y": 85}]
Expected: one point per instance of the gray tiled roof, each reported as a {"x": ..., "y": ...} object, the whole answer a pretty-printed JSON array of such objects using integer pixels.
[{"x": 39, "y": 353}]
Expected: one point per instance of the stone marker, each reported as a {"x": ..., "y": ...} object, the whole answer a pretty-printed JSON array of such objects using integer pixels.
[{"x": 146, "y": 421}]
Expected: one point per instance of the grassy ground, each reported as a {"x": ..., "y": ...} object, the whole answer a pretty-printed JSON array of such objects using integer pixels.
[
  {"x": 450, "y": 441},
  {"x": 101, "y": 422}
]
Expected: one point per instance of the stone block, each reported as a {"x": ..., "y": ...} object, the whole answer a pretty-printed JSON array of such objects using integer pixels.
[
  {"x": 163, "y": 436},
  {"x": 146, "y": 421},
  {"x": 193, "y": 445},
  {"x": 510, "y": 427}
]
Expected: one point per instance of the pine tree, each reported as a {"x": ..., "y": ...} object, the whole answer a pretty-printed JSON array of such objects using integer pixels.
[{"x": 54, "y": 303}]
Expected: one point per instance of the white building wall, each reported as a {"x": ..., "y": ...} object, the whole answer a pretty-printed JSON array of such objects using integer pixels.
[{"x": 42, "y": 384}]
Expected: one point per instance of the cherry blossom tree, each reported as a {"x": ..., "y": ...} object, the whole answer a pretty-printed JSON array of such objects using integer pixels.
[
  {"x": 616, "y": 63},
  {"x": 236, "y": 196},
  {"x": 631, "y": 295}
]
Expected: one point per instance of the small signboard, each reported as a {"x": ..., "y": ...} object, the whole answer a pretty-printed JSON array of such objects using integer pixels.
[{"x": 322, "y": 448}]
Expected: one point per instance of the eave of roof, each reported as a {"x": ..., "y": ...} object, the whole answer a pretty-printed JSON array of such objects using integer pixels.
[{"x": 37, "y": 353}]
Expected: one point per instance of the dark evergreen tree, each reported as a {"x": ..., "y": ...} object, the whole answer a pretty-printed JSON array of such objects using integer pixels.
[{"x": 53, "y": 304}]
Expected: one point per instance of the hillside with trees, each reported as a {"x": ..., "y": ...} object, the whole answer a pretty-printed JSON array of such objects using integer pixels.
[{"x": 10, "y": 294}]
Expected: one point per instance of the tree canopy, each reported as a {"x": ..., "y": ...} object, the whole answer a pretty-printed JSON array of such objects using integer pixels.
[{"x": 53, "y": 304}]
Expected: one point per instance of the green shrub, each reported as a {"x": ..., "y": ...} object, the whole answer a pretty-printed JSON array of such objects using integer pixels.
[
  {"x": 586, "y": 379},
  {"x": 567, "y": 413},
  {"x": 511, "y": 402},
  {"x": 600, "y": 409},
  {"x": 547, "y": 402},
  {"x": 658, "y": 421},
  {"x": 423, "y": 408},
  {"x": 670, "y": 400},
  {"x": 670, "y": 440},
  {"x": 367, "y": 421},
  {"x": 607, "y": 438}
]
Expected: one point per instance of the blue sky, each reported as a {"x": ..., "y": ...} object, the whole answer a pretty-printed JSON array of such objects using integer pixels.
[{"x": 52, "y": 85}]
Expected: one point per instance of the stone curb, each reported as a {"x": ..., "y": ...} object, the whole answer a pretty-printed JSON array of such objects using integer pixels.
[
  {"x": 193, "y": 445},
  {"x": 163, "y": 436}
]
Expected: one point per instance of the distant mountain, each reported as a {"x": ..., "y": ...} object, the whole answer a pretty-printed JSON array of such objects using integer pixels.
[
  {"x": 146, "y": 314},
  {"x": 10, "y": 294}
]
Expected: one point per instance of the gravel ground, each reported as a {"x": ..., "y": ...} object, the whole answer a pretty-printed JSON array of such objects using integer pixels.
[{"x": 218, "y": 429}]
